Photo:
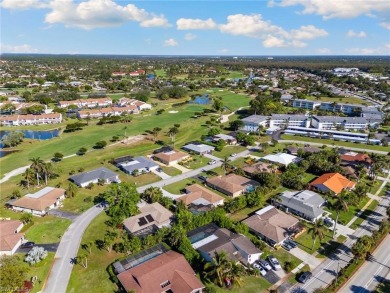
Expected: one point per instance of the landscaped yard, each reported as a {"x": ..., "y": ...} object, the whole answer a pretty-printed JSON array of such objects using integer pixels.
[
  {"x": 346, "y": 216},
  {"x": 228, "y": 150},
  {"x": 249, "y": 285},
  {"x": 177, "y": 188},
  {"x": 365, "y": 214},
  {"x": 385, "y": 189},
  {"x": 196, "y": 162},
  {"x": 95, "y": 278},
  {"x": 171, "y": 171},
  {"x": 48, "y": 229},
  {"x": 364, "y": 147},
  {"x": 40, "y": 270}
]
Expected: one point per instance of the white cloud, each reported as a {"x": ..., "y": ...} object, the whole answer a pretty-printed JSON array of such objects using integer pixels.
[
  {"x": 337, "y": 8},
  {"x": 255, "y": 26},
  {"x": 189, "y": 37},
  {"x": 170, "y": 43},
  {"x": 195, "y": 24},
  {"x": 385, "y": 24},
  {"x": 224, "y": 51},
  {"x": 324, "y": 51},
  {"x": 308, "y": 32},
  {"x": 23, "y": 4},
  {"x": 89, "y": 14},
  {"x": 353, "y": 34},
  {"x": 17, "y": 49},
  {"x": 384, "y": 50}
]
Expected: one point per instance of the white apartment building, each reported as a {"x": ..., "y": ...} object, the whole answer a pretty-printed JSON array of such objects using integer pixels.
[
  {"x": 284, "y": 120},
  {"x": 252, "y": 123},
  {"x": 331, "y": 122}
]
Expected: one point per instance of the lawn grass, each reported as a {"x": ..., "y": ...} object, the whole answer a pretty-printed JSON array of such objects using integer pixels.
[
  {"x": 307, "y": 177},
  {"x": 305, "y": 242},
  {"x": 171, "y": 171},
  {"x": 228, "y": 150},
  {"x": 95, "y": 278},
  {"x": 235, "y": 74},
  {"x": 364, "y": 147},
  {"x": 196, "y": 162},
  {"x": 385, "y": 189},
  {"x": 48, "y": 229},
  {"x": 364, "y": 215},
  {"x": 178, "y": 187},
  {"x": 250, "y": 284},
  {"x": 160, "y": 73},
  {"x": 374, "y": 185},
  {"x": 40, "y": 270},
  {"x": 346, "y": 216},
  {"x": 346, "y": 100}
]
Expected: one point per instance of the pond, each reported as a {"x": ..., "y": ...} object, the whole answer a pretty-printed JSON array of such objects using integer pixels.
[
  {"x": 29, "y": 134},
  {"x": 201, "y": 100}
]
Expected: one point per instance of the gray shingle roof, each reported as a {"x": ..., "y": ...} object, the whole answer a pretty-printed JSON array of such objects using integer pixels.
[
  {"x": 100, "y": 173},
  {"x": 137, "y": 163},
  {"x": 306, "y": 202}
]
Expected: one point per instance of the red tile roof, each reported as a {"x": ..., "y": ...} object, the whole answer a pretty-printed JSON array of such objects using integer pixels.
[{"x": 333, "y": 181}]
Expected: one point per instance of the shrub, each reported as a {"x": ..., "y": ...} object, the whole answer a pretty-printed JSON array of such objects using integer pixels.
[{"x": 35, "y": 255}]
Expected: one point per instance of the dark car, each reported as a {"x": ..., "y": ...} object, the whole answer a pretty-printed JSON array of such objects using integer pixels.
[
  {"x": 286, "y": 246},
  {"x": 202, "y": 178},
  {"x": 27, "y": 245},
  {"x": 305, "y": 277},
  {"x": 293, "y": 244}
]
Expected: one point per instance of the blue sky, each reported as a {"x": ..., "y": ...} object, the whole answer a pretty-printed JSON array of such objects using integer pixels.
[{"x": 269, "y": 27}]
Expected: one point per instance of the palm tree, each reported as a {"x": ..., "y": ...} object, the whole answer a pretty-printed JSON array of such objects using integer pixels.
[
  {"x": 28, "y": 176},
  {"x": 155, "y": 132},
  {"x": 152, "y": 194},
  {"x": 317, "y": 230},
  {"x": 172, "y": 133},
  {"x": 37, "y": 167},
  {"x": 225, "y": 165},
  {"x": 72, "y": 190},
  {"x": 362, "y": 246},
  {"x": 340, "y": 204},
  {"x": 177, "y": 233},
  {"x": 219, "y": 267},
  {"x": 47, "y": 170},
  {"x": 236, "y": 273}
]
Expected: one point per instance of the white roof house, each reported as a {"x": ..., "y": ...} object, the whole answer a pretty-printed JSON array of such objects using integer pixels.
[
  {"x": 282, "y": 158},
  {"x": 199, "y": 148}
]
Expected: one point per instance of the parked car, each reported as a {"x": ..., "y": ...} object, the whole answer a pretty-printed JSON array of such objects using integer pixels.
[
  {"x": 293, "y": 244},
  {"x": 202, "y": 178},
  {"x": 328, "y": 222},
  {"x": 264, "y": 264},
  {"x": 305, "y": 277},
  {"x": 212, "y": 162},
  {"x": 261, "y": 270},
  {"x": 29, "y": 244},
  {"x": 286, "y": 246},
  {"x": 233, "y": 155},
  {"x": 274, "y": 262}
]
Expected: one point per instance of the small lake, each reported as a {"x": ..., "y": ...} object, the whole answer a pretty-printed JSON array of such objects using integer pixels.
[
  {"x": 201, "y": 100},
  {"x": 29, "y": 134}
]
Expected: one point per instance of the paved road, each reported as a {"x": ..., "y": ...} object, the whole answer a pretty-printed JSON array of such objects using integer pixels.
[
  {"x": 62, "y": 268},
  {"x": 333, "y": 146},
  {"x": 372, "y": 272},
  {"x": 325, "y": 273}
]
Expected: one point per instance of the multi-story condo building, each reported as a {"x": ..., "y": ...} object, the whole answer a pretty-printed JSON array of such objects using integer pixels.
[
  {"x": 305, "y": 104},
  {"x": 339, "y": 107},
  {"x": 15, "y": 120},
  {"x": 332, "y": 122},
  {"x": 87, "y": 103},
  {"x": 284, "y": 120},
  {"x": 252, "y": 123}
]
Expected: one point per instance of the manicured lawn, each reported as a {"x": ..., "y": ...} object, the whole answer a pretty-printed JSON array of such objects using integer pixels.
[
  {"x": 40, "y": 270},
  {"x": 307, "y": 177},
  {"x": 384, "y": 190},
  {"x": 160, "y": 73},
  {"x": 347, "y": 100},
  {"x": 305, "y": 242},
  {"x": 336, "y": 143},
  {"x": 80, "y": 203},
  {"x": 196, "y": 162},
  {"x": 95, "y": 278},
  {"x": 171, "y": 171},
  {"x": 48, "y": 229},
  {"x": 283, "y": 256},
  {"x": 177, "y": 187},
  {"x": 365, "y": 214},
  {"x": 374, "y": 185},
  {"x": 346, "y": 216},
  {"x": 228, "y": 150},
  {"x": 249, "y": 285},
  {"x": 235, "y": 74}
]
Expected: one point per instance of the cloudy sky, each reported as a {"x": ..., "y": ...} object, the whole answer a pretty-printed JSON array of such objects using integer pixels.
[{"x": 181, "y": 27}]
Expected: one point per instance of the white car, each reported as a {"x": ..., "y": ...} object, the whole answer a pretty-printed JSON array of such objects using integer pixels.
[
  {"x": 261, "y": 270},
  {"x": 212, "y": 162},
  {"x": 233, "y": 155},
  {"x": 274, "y": 262},
  {"x": 265, "y": 264}
]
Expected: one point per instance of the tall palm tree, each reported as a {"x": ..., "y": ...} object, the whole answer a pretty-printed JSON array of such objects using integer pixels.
[
  {"x": 340, "y": 204},
  {"x": 219, "y": 267},
  {"x": 172, "y": 134},
  {"x": 152, "y": 194},
  {"x": 48, "y": 171},
  {"x": 28, "y": 176},
  {"x": 155, "y": 132},
  {"x": 236, "y": 273},
  {"x": 225, "y": 165},
  {"x": 37, "y": 167},
  {"x": 72, "y": 190},
  {"x": 317, "y": 230}
]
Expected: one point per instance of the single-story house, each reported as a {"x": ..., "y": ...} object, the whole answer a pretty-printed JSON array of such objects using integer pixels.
[
  {"x": 156, "y": 270},
  {"x": 10, "y": 236},
  {"x": 354, "y": 159},
  {"x": 332, "y": 182},
  {"x": 171, "y": 156},
  {"x": 281, "y": 159},
  {"x": 232, "y": 184},
  {"x": 305, "y": 204},
  {"x": 151, "y": 218},
  {"x": 211, "y": 239},
  {"x": 272, "y": 225},
  {"x": 86, "y": 178},
  {"x": 200, "y": 196},
  {"x": 39, "y": 202},
  {"x": 200, "y": 149},
  {"x": 226, "y": 138},
  {"x": 133, "y": 165}
]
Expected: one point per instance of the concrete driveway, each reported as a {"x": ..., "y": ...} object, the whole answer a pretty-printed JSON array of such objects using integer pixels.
[
  {"x": 161, "y": 174},
  {"x": 63, "y": 214},
  {"x": 309, "y": 259}
]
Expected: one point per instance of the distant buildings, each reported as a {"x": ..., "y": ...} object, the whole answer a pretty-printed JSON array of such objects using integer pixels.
[
  {"x": 87, "y": 103},
  {"x": 18, "y": 120}
]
